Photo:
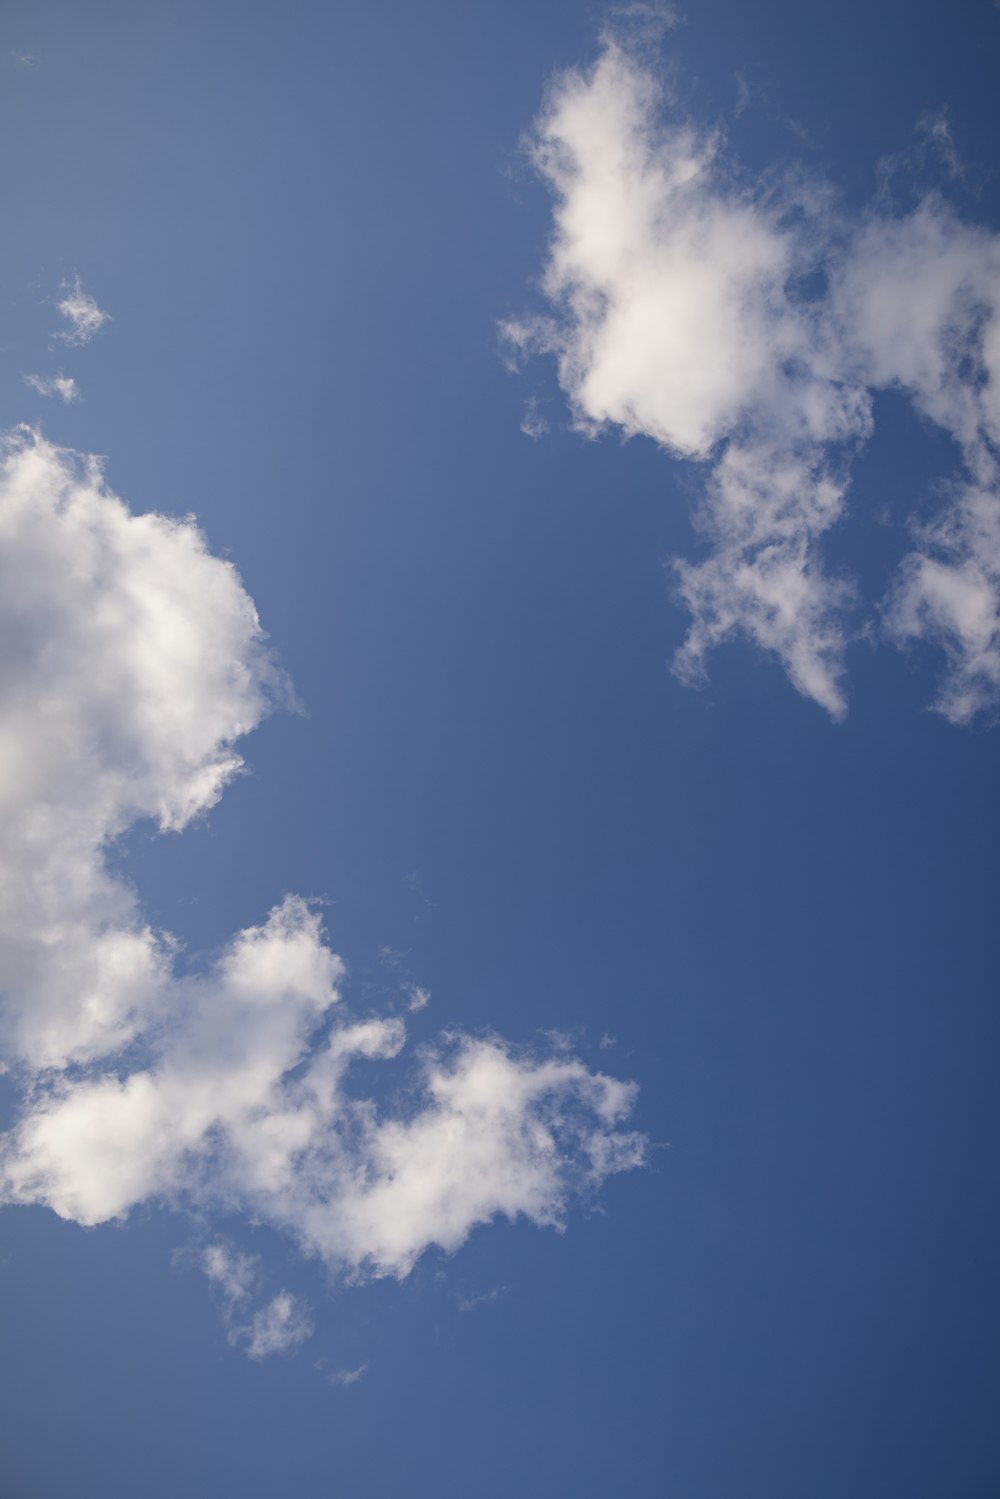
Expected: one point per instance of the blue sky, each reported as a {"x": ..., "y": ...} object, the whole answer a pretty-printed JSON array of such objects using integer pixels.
[{"x": 563, "y": 1059}]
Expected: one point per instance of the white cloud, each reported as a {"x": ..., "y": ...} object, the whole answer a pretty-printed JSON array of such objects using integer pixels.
[
  {"x": 347, "y": 1377},
  {"x": 232, "y": 1274},
  {"x": 743, "y": 326},
  {"x": 481, "y": 1298},
  {"x": 62, "y": 386},
  {"x": 82, "y": 313},
  {"x": 278, "y": 1325},
  {"x": 216, "y": 1121},
  {"x": 948, "y": 593},
  {"x": 920, "y": 296},
  {"x": 673, "y": 318},
  {"x": 533, "y": 423},
  {"x": 132, "y": 661},
  {"x": 419, "y": 998},
  {"x": 640, "y": 21},
  {"x": 492, "y": 1134},
  {"x": 935, "y": 128}
]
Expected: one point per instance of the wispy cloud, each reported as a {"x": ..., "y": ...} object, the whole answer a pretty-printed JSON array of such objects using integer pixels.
[
  {"x": 279, "y": 1324},
  {"x": 919, "y": 295},
  {"x": 417, "y": 995},
  {"x": 640, "y": 21},
  {"x": 482, "y": 1298},
  {"x": 63, "y": 386},
  {"x": 133, "y": 661},
  {"x": 744, "y": 326},
  {"x": 232, "y": 1274},
  {"x": 533, "y": 423},
  {"x": 82, "y": 313},
  {"x": 345, "y": 1377}
]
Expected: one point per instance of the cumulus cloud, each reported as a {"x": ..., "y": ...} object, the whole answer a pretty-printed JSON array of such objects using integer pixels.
[
  {"x": 82, "y": 313},
  {"x": 743, "y": 326},
  {"x": 132, "y": 662},
  {"x": 62, "y": 386}
]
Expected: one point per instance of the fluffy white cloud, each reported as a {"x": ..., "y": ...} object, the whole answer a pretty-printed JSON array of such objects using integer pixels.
[
  {"x": 132, "y": 661},
  {"x": 63, "y": 386},
  {"x": 220, "y": 1120},
  {"x": 674, "y": 318},
  {"x": 744, "y": 327},
  {"x": 494, "y": 1133},
  {"x": 82, "y": 313}
]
